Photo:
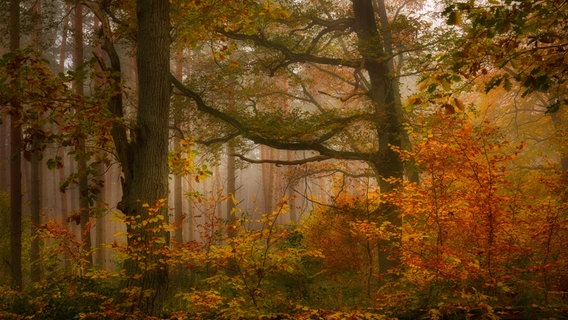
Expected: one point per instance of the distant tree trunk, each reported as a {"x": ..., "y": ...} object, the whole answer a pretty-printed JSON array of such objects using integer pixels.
[
  {"x": 64, "y": 210},
  {"x": 35, "y": 208},
  {"x": 63, "y": 47},
  {"x": 231, "y": 191},
  {"x": 190, "y": 209},
  {"x": 15, "y": 164},
  {"x": 290, "y": 194},
  {"x": 178, "y": 187},
  {"x": 36, "y": 181},
  {"x": 190, "y": 214},
  {"x": 267, "y": 179},
  {"x": 100, "y": 227},
  {"x": 80, "y": 148}
]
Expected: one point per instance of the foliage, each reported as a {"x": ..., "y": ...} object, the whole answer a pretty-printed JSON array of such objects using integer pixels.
[
  {"x": 182, "y": 162},
  {"x": 505, "y": 35},
  {"x": 469, "y": 232},
  {"x": 481, "y": 234},
  {"x": 54, "y": 115},
  {"x": 243, "y": 276}
]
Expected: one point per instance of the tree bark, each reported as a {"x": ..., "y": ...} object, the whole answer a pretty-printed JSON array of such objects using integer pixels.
[
  {"x": 267, "y": 179},
  {"x": 15, "y": 164},
  {"x": 100, "y": 226},
  {"x": 35, "y": 205},
  {"x": 231, "y": 191},
  {"x": 178, "y": 185},
  {"x": 374, "y": 48},
  {"x": 35, "y": 172},
  {"x": 149, "y": 151},
  {"x": 80, "y": 147}
]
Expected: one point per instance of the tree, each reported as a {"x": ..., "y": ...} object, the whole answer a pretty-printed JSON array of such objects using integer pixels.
[
  {"x": 504, "y": 35},
  {"x": 500, "y": 37},
  {"x": 35, "y": 162},
  {"x": 15, "y": 163},
  {"x": 293, "y": 41},
  {"x": 143, "y": 156},
  {"x": 146, "y": 171},
  {"x": 80, "y": 147}
]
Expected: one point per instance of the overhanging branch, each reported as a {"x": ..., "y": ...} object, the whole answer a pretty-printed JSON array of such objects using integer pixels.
[
  {"x": 314, "y": 144},
  {"x": 290, "y": 55},
  {"x": 284, "y": 162}
]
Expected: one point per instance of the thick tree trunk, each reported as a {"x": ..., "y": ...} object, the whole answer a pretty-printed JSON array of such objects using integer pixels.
[
  {"x": 374, "y": 48},
  {"x": 15, "y": 164},
  {"x": 148, "y": 153}
]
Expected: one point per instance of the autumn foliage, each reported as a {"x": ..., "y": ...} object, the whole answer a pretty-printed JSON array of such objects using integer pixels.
[{"x": 407, "y": 168}]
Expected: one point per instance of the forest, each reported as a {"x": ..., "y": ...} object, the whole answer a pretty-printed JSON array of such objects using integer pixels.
[{"x": 283, "y": 159}]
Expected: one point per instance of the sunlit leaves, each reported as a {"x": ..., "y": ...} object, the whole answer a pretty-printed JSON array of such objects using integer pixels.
[
  {"x": 458, "y": 221},
  {"x": 182, "y": 161}
]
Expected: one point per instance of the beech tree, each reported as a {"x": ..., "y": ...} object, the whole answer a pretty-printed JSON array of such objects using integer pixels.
[
  {"x": 146, "y": 167},
  {"x": 142, "y": 153},
  {"x": 290, "y": 41}
]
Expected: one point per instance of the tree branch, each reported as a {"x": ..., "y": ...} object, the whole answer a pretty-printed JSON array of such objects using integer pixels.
[
  {"x": 224, "y": 139},
  {"x": 284, "y": 162},
  {"x": 290, "y": 55},
  {"x": 314, "y": 144}
]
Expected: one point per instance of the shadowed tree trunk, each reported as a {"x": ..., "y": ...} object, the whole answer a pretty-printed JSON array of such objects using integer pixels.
[
  {"x": 178, "y": 186},
  {"x": 146, "y": 167},
  {"x": 100, "y": 226},
  {"x": 376, "y": 51},
  {"x": 143, "y": 156},
  {"x": 35, "y": 172},
  {"x": 15, "y": 164},
  {"x": 84, "y": 207}
]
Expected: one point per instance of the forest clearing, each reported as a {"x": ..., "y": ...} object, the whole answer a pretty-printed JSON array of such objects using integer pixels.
[{"x": 283, "y": 159}]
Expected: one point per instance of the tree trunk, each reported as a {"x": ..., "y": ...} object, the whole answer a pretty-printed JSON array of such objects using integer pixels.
[
  {"x": 35, "y": 205},
  {"x": 267, "y": 179},
  {"x": 290, "y": 186},
  {"x": 231, "y": 191},
  {"x": 15, "y": 164},
  {"x": 178, "y": 186},
  {"x": 374, "y": 48},
  {"x": 148, "y": 154},
  {"x": 80, "y": 148},
  {"x": 35, "y": 172},
  {"x": 100, "y": 226}
]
